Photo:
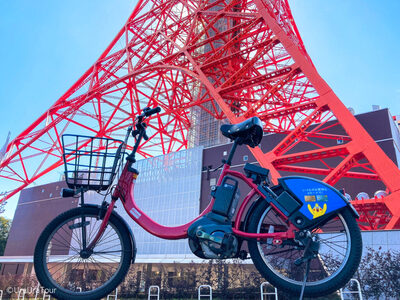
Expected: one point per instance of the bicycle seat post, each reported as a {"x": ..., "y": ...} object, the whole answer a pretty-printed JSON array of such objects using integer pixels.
[
  {"x": 82, "y": 197},
  {"x": 232, "y": 152}
]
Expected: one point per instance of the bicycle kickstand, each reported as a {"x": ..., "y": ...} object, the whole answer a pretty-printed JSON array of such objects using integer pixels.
[
  {"x": 305, "y": 279},
  {"x": 307, "y": 257}
]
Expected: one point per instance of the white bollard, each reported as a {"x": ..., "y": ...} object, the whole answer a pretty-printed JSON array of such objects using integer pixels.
[
  {"x": 37, "y": 291},
  {"x": 157, "y": 294},
  {"x": 274, "y": 293},
  {"x": 209, "y": 288},
  {"x": 358, "y": 291},
  {"x": 45, "y": 296},
  {"x": 21, "y": 292},
  {"x": 115, "y": 296}
]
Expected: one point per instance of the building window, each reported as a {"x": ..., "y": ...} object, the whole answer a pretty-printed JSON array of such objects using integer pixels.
[
  {"x": 51, "y": 195},
  {"x": 245, "y": 157},
  {"x": 180, "y": 183},
  {"x": 42, "y": 190}
]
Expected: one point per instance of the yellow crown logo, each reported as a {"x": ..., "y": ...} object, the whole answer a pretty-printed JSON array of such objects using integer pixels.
[{"x": 317, "y": 211}]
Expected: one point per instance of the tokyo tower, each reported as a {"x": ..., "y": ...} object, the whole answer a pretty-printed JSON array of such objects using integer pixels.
[{"x": 228, "y": 59}]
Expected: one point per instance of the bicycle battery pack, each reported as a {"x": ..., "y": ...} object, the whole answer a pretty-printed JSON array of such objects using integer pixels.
[{"x": 226, "y": 197}]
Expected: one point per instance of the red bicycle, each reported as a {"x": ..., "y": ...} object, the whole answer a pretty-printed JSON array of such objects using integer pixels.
[{"x": 301, "y": 234}]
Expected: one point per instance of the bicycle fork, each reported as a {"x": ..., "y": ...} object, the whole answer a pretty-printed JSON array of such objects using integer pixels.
[{"x": 102, "y": 228}]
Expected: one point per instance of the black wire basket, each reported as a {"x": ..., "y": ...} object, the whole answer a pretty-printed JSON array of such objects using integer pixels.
[{"x": 90, "y": 162}]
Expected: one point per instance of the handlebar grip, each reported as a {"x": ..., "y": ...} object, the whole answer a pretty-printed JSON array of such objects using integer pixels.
[
  {"x": 152, "y": 111},
  {"x": 145, "y": 136}
]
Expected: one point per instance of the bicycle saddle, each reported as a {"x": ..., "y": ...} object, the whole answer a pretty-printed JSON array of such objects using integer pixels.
[{"x": 249, "y": 132}]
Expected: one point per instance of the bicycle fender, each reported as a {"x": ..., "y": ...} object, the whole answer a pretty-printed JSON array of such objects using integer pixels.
[
  {"x": 319, "y": 200},
  {"x": 249, "y": 213},
  {"x": 132, "y": 237}
]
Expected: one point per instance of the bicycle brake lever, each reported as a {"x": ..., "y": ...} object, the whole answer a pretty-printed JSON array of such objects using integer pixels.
[{"x": 135, "y": 132}]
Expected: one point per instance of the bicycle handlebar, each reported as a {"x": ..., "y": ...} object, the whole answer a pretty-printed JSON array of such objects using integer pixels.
[
  {"x": 148, "y": 112},
  {"x": 140, "y": 132}
]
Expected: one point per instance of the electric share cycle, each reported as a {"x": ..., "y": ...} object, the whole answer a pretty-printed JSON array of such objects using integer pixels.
[{"x": 301, "y": 234}]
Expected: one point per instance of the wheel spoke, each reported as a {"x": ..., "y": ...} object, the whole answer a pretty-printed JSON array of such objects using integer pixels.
[{"x": 334, "y": 244}]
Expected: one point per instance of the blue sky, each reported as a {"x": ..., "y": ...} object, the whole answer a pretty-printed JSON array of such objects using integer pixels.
[
  {"x": 354, "y": 45},
  {"x": 47, "y": 45}
]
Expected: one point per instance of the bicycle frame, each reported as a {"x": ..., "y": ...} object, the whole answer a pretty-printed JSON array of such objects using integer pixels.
[
  {"x": 125, "y": 192},
  {"x": 216, "y": 233}
]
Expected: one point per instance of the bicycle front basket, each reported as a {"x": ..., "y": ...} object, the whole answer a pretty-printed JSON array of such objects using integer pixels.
[{"x": 90, "y": 162}]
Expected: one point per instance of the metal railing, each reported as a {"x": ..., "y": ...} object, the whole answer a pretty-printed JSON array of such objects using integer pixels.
[
  {"x": 23, "y": 292},
  {"x": 115, "y": 296},
  {"x": 264, "y": 293},
  {"x": 45, "y": 296},
  {"x": 358, "y": 291},
  {"x": 157, "y": 294},
  {"x": 209, "y": 288},
  {"x": 154, "y": 292}
]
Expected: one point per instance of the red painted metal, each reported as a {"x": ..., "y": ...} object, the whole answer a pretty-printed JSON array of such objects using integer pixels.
[
  {"x": 103, "y": 225},
  {"x": 235, "y": 59},
  {"x": 125, "y": 191}
]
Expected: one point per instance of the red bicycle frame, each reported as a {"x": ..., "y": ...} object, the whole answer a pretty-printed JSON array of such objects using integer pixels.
[{"x": 125, "y": 191}]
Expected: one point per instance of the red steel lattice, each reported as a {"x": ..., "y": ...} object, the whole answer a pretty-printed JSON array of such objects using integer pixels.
[{"x": 235, "y": 60}]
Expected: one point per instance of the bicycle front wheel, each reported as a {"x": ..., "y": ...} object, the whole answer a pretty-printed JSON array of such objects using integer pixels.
[
  {"x": 338, "y": 257},
  {"x": 68, "y": 271}
]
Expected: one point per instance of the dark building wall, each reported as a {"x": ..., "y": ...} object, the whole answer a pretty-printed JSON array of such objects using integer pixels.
[{"x": 37, "y": 206}]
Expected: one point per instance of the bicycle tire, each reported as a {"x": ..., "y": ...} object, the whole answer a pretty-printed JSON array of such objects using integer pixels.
[
  {"x": 279, "y": 269},
  {"x": 49, "y": 248}
]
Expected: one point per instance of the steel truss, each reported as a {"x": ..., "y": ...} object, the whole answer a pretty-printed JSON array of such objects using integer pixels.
[{"x": 234, "y": 59}]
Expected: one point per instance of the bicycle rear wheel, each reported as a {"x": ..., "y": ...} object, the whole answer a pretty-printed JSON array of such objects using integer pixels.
[
  {"x": 70, "y": 273},
  {"x": 338, "y": 257}
]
